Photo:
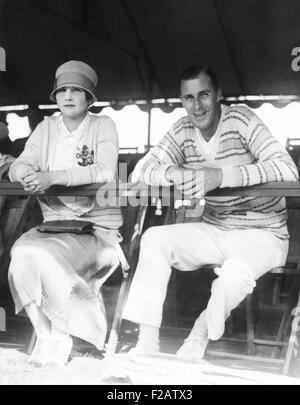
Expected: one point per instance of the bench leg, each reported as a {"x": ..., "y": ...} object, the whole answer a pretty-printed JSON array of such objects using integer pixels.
[
  {"x": 285, "y": 321},
  {"x": 2, "y": 320},
  {"x": 250, "y": 325},
  {"x": 32, "y": 342},
  {"x": 117, "y": 320},
  {"x": 292, "y": 349},
  {"x": 276, "y": 289},
  {"x": 126, "y": 283}
]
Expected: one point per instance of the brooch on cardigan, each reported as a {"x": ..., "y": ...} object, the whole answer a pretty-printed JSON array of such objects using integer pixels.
[{"x": 85, "y": 157}]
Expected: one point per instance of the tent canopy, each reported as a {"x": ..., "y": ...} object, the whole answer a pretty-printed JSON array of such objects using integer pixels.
[{"x": 140, "y": 47}]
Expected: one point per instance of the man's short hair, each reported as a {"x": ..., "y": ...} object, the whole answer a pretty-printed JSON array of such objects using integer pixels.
[{"x": 194, "y": 71}]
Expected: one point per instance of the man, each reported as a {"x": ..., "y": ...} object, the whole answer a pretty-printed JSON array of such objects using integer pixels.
[{"x": 213, "y": 146}]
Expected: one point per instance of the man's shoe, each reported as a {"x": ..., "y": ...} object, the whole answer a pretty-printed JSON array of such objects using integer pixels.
[
  {"x": 145, "y": 347},
  {"x": 193, "y": 348}
]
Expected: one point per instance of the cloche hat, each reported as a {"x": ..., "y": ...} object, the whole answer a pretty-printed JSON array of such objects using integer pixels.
[{"x": 77, "y": 74}]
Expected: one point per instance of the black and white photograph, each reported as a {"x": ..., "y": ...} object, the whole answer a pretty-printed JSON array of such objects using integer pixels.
[{"x": 149, "y": 195}]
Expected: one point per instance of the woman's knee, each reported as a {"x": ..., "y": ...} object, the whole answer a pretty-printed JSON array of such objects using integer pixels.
[
  {"x": 22, "y": 262},
  {"x": 18, "y": 273}
]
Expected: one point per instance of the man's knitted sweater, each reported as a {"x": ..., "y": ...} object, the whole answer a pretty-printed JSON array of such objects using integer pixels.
[{"x": 246, "y": 152}]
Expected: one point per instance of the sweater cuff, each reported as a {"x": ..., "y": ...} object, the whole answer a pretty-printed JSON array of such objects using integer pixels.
[
  {"x": 230, "y": 177},
  {"x": 80, "y": 175},
  {"x": 156, "y": 176},
  {"x": 165, "y": 181},
  {"x": 69, "y": 174}
]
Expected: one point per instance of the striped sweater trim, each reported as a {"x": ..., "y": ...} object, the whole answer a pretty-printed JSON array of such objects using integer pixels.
[
  {"x": 236, "y": 118},
  {"x": 279, "y": 229},
  {"x": 252, "y": 203},
  {"x": 245, "y": 114}
]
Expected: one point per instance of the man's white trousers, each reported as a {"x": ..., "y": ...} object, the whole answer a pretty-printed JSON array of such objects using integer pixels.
[{"x": 240, "y": 256}]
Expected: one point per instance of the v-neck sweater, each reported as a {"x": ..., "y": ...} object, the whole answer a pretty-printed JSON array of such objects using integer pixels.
[{"x": 247, "y": 154}]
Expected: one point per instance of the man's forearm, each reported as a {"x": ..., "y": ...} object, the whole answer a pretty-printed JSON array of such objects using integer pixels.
[{"x": 258, "y": 173}]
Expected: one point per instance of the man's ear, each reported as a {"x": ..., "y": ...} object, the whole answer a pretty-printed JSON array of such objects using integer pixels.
[{"x": 219, "y": 94}]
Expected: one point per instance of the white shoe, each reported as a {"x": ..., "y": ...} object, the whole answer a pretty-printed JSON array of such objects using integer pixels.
[
  {"x": 145, "y": 347},
  {"x": 51, "y": 352},
  {"x": 193, "y": 348},
  {"x": 41, "y": 353},
  {"x": 63, "y": 349}
]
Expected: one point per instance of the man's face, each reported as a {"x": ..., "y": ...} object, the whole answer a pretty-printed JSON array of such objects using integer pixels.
[
  {"x": 201, "y": 102},
  {"x": 72, "y": 102}
]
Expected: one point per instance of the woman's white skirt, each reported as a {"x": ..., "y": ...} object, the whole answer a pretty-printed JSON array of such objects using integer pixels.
[{"x": 62, "y": 274}]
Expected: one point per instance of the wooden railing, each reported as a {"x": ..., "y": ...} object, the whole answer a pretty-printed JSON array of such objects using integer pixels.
[{"x": 272, "y": 189}]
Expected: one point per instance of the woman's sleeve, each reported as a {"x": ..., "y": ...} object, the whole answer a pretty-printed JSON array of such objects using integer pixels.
[
  {"x": 105, "y": 168},
  {"x": 30, "y": 155}
]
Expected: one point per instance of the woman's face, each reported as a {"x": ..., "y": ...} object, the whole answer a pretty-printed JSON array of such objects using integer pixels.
[{"x": 72, "y": 102}]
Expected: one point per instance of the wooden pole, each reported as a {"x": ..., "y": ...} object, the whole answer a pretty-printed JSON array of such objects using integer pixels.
[{"x": 149, "y": 127}]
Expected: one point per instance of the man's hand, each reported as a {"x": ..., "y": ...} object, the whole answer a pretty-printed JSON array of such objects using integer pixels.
[{"x": 194, "y": 183}]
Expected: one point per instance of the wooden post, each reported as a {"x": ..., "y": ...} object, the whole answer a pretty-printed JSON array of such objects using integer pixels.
[
  {"x": 149, "y": 127},
  {"x": 2, "y": 320}
]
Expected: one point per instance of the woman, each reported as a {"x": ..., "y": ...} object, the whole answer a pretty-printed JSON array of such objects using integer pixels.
[{"x": 56, "y": 277}]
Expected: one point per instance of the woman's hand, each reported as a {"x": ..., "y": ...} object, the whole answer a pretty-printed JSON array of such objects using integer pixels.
[
  {"x": 23, "y": 171},
  {"x": 37, "y": 181}
]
